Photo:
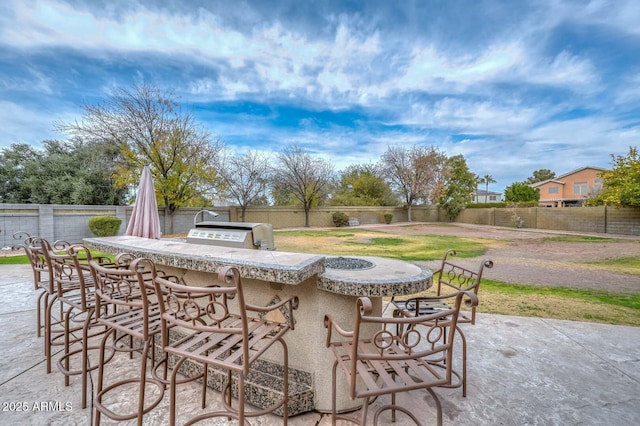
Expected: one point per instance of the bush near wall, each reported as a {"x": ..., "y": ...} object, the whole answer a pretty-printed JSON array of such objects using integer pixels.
[
  {"x": 340, "y": 219},
  {"x": 104, "y": 226}
]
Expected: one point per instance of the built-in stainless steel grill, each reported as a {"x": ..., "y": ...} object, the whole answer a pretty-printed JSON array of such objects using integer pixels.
[{"x": 233, "y": 234}]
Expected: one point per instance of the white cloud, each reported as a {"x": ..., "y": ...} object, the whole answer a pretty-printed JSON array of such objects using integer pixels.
[
  {"x": 565, "y": 70},
  {"x": 407, "y": 83},
  {"x": 21, "y": 124},
  {"x": 458, "y": 115},
  {"x": 629, "y": 89}
]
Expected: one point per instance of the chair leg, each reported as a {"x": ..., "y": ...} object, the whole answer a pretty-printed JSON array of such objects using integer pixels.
[
  {"x": 67, "y": 327},
  {"x": 364, "y": 411},
  {"x": 143, "y": 380},
  {"x": 205, "y": 375},
  {"x": 285, "y": 383},
  {"x": 172, "y": 396},
  {"x": 42, "y": 300},
  {"x": 85, "y": 356},
  {"x": 241, "y": 398},
  {"x": 464, "y": 361},
  {"x": 228, "y": 391},
  {"x": 393, "y": 410},
  {"x": 101, "y": 362},
  {"x": 47, "y": 335},
  {"x": 333, "y": 394},
  {"x": 438, "y": 406}
]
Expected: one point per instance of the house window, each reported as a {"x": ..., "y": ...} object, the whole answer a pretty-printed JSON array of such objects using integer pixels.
[
  {"x": 597, "y": 186},
  {"x": 492, "y": 197},
  {"x": 580, "y": 188},
  {"x": 554, "y": 190}
]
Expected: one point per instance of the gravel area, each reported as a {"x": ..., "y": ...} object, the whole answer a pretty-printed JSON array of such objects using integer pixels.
[{"x": 522, "y": 256}]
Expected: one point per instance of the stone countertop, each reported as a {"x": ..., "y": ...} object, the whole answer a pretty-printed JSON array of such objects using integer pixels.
[
  {"x": 387, "y": 277},
  {"x": 266, "y": 265}
]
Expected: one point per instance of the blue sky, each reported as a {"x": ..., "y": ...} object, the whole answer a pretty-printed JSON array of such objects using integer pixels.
[{"x": 514, "y": 86}]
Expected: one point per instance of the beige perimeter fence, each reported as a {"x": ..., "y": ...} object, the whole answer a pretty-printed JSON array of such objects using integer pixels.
[{"x": 54, "y": 222}]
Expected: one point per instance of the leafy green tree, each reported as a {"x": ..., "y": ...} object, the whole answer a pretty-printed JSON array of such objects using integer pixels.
[
  {"x": 71, "y": 172},
  {"x": 150, "y": 128},
  {"x": 307, "y": 178},
  {"x": 363, "y": 185},
  {"x": 520, "y": 192},
  {"x": 540, "y": 175},
  {"x": 459, "y": 185},
  {"x": 17, "y": 163},
  {"x": 478, "y": 182},
  {"x": 415, "y": 172},
  {"x": 621, "y": 184}
]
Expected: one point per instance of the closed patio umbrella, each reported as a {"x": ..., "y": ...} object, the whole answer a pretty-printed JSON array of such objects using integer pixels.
[{"x": 145, "y": 220}]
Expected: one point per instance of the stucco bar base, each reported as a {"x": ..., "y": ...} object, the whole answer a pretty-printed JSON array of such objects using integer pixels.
[{"x": 272, "y": 275}]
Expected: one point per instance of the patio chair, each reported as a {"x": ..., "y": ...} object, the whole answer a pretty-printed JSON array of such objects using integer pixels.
[
  {"x": 212, "y": 335},
  {"x": 452, "y": 279},
  {"x": 75, "y": 292},
  {"x": 136, "y": 316},
  {"x": 37, "y": 251},
  {"x": 391, "y": 362}
]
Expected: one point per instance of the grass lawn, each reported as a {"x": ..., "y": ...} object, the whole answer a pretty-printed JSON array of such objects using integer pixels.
[
  {"x": 363, "y": 242},
  {"x": 495, "y": 296}
]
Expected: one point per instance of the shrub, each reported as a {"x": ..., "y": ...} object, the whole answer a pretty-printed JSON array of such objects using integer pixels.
[
  {"x": 387, "y": 217},
  {"x": 104, "y": 226},
  {"x": 340, "y": 219}
]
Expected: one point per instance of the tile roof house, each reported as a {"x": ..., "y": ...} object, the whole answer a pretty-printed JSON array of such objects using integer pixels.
[{"x": 570, "y": 189}]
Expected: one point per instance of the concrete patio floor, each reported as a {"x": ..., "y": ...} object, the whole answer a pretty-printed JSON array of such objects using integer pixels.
[{"x": 521, "y": 371}]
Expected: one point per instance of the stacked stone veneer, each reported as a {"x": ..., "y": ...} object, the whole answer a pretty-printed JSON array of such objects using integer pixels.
[{"x": 264, "y": 384}]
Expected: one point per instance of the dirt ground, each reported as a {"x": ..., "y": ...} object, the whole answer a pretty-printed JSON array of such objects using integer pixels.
[{"x": 522, "y": 256}]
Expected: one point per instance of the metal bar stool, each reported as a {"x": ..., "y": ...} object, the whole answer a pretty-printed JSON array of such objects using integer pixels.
[
  {"x": 214, "y": 336},
  {"x": 129, "y": 288},
  {"x": 452, "y": 278},
  {"x": 396, "y": 358},
  {"x": 75, "y": 292},
  {"x": 37, "y": 251}
]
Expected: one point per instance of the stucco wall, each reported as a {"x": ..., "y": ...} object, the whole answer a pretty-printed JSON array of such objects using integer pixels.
[{"x": 70, "y": 223}]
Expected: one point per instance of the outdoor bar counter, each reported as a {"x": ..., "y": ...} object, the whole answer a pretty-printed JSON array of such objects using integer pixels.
[{"x": 271, "y": 275}]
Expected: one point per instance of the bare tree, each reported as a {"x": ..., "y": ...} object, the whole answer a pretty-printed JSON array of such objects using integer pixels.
[
  {"x": 416, "y": 172},
  {"x": 245, "y": 177},
  {"x": 305, "y": 177},
  {"x": 150, "y": 128}
]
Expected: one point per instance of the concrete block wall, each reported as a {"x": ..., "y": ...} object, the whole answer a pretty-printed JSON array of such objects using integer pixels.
[
  {"x": 623, "y": 221},
  {"x": 70, "y": 223},
  {"x": 577, "y": 219},
  {"x": 293, "y": 217},
  {"x": 17, "y": 218},
  {"x": 475, "y": 216}
]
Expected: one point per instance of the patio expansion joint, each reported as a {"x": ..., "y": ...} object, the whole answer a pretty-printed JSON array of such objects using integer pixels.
[
  {"x": 586, "y": 349},
  {"x": 15, "y": 376}
]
